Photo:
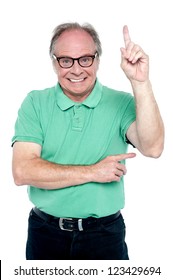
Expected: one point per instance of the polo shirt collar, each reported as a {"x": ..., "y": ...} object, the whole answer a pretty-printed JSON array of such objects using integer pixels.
[{"x": 64, "y": 102}]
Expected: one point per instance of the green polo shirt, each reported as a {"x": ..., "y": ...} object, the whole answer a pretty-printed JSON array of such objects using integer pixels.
[{"x": 77, "y": 134}]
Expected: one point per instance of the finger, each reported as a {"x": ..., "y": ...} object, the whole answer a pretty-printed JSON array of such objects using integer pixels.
[
  {"x": 126, "y": 52},
  {"x": 126, "y": 36},
  {"x": 136, "y": 51},
  {"x": 124, "y": 156},
  {"x": 129, "y": 50},
  {"x": 137, "y": 57},
  {"x": 116, "y": 178},
  {"x": 132, "y": 50},
  {"x": 119, "y": 173},
  {"x": 121, "y": 168}
]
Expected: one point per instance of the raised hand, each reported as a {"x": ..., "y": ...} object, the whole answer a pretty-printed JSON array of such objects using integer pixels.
[{"x": 134, "y": 61}]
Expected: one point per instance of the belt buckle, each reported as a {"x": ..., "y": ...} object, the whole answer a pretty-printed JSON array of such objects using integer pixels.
[{"x": 61, "y": 224}]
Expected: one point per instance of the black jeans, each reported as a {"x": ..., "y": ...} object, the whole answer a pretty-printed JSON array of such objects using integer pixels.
[{"x": 46, "y": 241}]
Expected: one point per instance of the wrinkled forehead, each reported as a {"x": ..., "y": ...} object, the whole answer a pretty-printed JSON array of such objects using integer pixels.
[{"x": 74, "y": 43}]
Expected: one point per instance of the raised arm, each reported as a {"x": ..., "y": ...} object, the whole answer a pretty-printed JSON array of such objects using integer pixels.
[
  {"x": 147, "y": 132},
  {"x": 30, "y": 169}
]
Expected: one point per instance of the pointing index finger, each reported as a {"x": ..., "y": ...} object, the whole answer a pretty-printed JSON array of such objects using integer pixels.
[
  {"x": 124, "y": 156},
  {"x": 126, "y": 35}
]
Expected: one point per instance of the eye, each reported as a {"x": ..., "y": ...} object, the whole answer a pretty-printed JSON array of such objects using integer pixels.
[
  {"x": 85, "y": 59},
  {"x": 65, "y": 62}
]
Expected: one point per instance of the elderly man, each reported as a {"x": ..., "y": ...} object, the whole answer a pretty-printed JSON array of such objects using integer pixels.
[{"x": 70, "y": 147}]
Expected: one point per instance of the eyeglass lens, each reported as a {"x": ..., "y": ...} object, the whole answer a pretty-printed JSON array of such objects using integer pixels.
[{"x": 67, "y": 62}]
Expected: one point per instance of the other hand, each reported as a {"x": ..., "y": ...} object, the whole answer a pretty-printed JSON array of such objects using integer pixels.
[{"x": 110, "y": 168}]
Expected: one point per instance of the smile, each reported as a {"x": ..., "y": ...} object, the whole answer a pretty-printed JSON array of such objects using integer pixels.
[{"x": 76, "y": 81}]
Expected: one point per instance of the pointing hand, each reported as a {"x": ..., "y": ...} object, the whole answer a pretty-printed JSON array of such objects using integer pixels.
[{"x": 134, "y": 61}]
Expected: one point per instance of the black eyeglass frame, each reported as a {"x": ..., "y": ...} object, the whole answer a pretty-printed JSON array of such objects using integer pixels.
[{"x": 73, "y": 60}]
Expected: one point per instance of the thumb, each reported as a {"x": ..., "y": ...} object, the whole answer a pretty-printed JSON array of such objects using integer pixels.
[{"x": 123, "y": 52}]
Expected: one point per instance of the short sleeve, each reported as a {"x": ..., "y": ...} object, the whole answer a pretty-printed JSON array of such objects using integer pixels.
[
  {"x": 129, "y": 116},
  {"x": 28, "y": 126}
]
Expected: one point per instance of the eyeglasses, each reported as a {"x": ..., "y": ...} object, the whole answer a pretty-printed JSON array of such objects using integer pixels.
[{"x": 67, "y": 62}]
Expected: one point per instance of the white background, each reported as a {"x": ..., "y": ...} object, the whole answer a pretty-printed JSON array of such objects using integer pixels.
[{"x": 25, "y": 31}]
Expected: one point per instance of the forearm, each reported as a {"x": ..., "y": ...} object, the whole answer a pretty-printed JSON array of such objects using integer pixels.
[
  {"x": 149, "y": 124},
  {"x": 47, "y": 175}
]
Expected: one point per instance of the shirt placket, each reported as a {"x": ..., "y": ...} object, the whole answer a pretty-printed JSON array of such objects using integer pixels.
[{"x": 78, "y": 118}]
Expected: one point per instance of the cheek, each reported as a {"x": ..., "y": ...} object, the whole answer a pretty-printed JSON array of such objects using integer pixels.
[
  {"x": 94, "y": 72},
  {"x": 60, "y": 73},
  {"x": 95, "y": 69}
]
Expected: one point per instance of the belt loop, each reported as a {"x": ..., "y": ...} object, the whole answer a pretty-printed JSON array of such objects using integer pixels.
[{"x": 80, "y": 225}]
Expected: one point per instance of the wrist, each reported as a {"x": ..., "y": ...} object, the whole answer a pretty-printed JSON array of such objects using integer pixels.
[
  {"x": 141, "y": 88},
  {"x": 89, "y": 173}
]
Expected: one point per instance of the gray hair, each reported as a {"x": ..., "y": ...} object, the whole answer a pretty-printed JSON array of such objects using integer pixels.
[{"x": 73, "y": 26}]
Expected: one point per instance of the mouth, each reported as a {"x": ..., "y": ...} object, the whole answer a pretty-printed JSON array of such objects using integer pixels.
[{"x": 76, "y": 80}]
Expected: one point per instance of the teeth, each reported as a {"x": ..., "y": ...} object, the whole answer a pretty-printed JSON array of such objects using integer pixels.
[{"x": 76, "y": 81}]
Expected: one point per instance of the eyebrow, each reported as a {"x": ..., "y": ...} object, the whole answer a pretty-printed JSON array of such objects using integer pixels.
[{"x": 88, "y": 54}]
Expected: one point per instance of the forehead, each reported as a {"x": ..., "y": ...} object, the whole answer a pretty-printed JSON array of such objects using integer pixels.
[{"x": 74, "y": 43}]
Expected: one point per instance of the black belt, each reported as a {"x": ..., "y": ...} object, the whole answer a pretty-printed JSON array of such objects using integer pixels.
[{"x": 71, "y": 224}]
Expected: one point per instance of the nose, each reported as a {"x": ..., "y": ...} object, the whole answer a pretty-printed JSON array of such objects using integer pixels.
[{"x": 76, "y": 68}]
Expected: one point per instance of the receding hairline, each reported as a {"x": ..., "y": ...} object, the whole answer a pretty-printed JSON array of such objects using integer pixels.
[{"x": 70, "y": 26}]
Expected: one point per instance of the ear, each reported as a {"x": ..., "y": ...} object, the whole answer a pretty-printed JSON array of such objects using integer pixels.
[
  {"x": 54, "y": 68},
  {"x": 98, "y": 64}
]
